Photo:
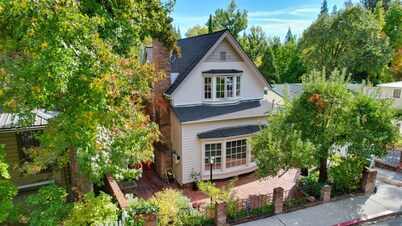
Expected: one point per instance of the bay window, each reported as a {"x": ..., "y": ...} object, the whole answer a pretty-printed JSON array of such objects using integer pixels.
[
  {"x": 221, "y": 87},
  {"x": 227, "y": 155}
]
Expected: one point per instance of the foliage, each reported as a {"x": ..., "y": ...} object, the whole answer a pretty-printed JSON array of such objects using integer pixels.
[
  {"x": 7, "y": 188},
  {"x": 224, "y": 193},
  {"x": 294, "y": 202},
  {"x": 327, "y": 114},
  {"x": 170, "y": 203},
  {"x": 235, "y": 21},
  {"x": 282, "y": 63},
  {"x": 48, "y": 207},
  {"x": 254, "y": 43},
  {"x": 93, "y": 210},
  {"x": 349, "y": 38},
  {"x": 81, "y": 58},
  {"x": 141, "y": 206},
  {"x": 280, "y": 147},
  {"x": 393, "y": 29},
  {"x": 193, "y": 217},
  {"x": 238, "y": 214},
  {"x": 310, "y": 184},
  {"x": 324, "y": 8},
  {"x": 196, "y": 31},
  {"x": 345, "y": 173}
]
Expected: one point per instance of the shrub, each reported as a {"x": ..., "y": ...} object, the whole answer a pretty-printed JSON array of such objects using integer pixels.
[
  {"x": 170, "y": 203},
  {"x": 93, "y": 210},
  {"x": 7, "y": 189},
  {"x": 310, "y": 184},
  {"x": 193, "y": 217},
  {"x": 140, "y": 206},
  {"x": 7, "y": 192},
  {"x": 345, "y": 173},
  {"x": 47, "y": 207}
]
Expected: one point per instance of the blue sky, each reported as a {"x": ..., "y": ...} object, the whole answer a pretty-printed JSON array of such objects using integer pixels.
[{"x": 274, "y": 16}]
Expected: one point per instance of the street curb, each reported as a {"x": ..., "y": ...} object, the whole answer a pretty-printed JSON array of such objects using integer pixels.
[{"x": 372, "y": 217}]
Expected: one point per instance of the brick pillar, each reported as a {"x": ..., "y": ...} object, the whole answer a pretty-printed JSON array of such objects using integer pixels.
[
  {"x": 368, "y": 180},
  {"x": 163, "y": 156},
  {"x": 277, "y": 200},
  {"x": 220, "y": 213},
  {"x": 326, "y": 193}
]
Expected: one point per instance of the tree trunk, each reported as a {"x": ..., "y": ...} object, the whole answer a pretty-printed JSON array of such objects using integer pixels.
[
  {"x": 80, "y": 183},
  {"x": 323, "y": 170}
]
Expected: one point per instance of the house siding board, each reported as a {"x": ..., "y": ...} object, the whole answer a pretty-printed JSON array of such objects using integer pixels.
[
  {"x": 388, "y": 92},
  {"x": 191, "y": 91},
  {"x": 231, "y": 53},
  {"x": 12, "y": 158},
  {"x": 177, "y": 146},
  {"x": 192, "y": 145}
]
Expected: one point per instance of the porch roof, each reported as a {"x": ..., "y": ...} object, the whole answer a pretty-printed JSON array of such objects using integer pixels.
[
  {"x": 9, "y": 121},
  {"x": 230, "y": 131}
]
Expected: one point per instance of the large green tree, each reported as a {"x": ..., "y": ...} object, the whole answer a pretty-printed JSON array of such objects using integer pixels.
[
  {"x": 349, "y": 38},
  {"x": 254, "y": 43},
  {"x": 232, "y": 19},
  {"x": 196, "y": 30},
  {"x": 393, "y": 29},
  {"x": 281, "y": 62},
  {"x": 81, "y": 58},
  {"x": 325, "y": 115},
  {"x": 7, "y": 189}
]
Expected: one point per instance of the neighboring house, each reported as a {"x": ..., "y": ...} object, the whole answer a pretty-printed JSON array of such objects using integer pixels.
[
  {"x": 215, "y": 100},
  {"x": 15, "y": 139},
  {"x": 392, "y": 90}
]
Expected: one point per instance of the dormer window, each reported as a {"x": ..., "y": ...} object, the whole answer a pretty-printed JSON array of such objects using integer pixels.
[
  {"x": 222, "y": 84},
  {"x": 223, "y": 56}
]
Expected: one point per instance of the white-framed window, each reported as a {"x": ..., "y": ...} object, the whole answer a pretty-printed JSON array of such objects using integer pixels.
[
  {"x": 227, "y": 155},
  {"x": 236, "y": 153},
  {"x": 237, "y": 86},
  {"x": 214, "y": 151},
  {"x": 208, "y": 87},
  {"x": 218, "y": 87},
  {"x": 397, "y": 93}
]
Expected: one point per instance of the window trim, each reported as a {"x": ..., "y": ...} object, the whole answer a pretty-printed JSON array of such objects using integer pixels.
[
  {"x": 214, "y": 77},
  {"x": 223, "y": 169}
]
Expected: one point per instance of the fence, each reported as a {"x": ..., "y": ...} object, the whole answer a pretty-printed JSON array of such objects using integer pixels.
[{"x": 392, "y": 158}]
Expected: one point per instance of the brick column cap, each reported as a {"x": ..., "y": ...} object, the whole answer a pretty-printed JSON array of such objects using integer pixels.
[
  {"x": 279, "y": 189},
  {"x": 219, "y": 202}
]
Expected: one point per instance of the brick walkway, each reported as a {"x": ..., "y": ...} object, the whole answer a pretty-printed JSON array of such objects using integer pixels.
[{"x": 246, "y": 185}]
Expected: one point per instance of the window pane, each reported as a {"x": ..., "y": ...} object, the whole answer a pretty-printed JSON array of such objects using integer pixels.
[
  {"x": 215, "y": 152},
  {"x": 207, "y": 87},
  {"x": 229, "y": 86},
  {"x": 236, "y": 153},
  {"x": 238, "y": 86}
]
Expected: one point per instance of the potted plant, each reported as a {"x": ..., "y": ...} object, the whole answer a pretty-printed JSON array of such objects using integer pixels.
[{"x": 196, "y": 176}]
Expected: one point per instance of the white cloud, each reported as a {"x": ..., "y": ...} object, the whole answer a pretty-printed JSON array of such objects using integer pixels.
[{"x": 305, "y": 10}]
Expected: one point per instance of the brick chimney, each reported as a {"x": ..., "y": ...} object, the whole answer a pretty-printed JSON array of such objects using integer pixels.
[{"x": 163, "y": 149}]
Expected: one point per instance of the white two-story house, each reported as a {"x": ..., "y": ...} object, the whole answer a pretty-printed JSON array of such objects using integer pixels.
[{"x": 216, "y": 102}]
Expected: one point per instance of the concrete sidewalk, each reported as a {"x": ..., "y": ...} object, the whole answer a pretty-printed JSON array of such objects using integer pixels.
[{"x": 388, "y": 198}]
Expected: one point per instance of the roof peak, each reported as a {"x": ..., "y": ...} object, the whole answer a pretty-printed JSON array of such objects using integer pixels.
[{"x": 204, "y": 34}]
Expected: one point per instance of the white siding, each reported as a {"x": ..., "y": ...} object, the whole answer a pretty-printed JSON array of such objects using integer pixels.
[
  {"x": 224, "y": 46},
  {"x": 191, "y": 155},
  {"x": 388, "y": 92},
  {"x": 191, "y": 90},
  {"x": 177, "y": 145}
]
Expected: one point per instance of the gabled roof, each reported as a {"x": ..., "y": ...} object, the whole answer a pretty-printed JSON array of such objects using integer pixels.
[
  {"x": 243, "y": 109},
  {"x": 9, "y": 121},
  {"x": 192, "y": 51},
  {"x": 230, "y": 131}
]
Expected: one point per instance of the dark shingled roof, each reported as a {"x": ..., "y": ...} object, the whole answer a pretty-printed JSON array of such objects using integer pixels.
[
  {"x": 192, "y": 51},
  {"x": 243, "y": 109},
  {"x": 229, "y": 132},
  {"x": 223, "y": 71}
]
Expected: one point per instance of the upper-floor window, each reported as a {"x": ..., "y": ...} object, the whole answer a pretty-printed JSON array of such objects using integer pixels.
[
  {"x": 221, "y": 87},
  {"x": 397, "y": 93}
]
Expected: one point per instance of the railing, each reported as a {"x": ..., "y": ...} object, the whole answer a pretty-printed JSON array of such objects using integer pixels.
[
  {"x": 252, "y": 206},
  {"x": 392, "y": 158}
]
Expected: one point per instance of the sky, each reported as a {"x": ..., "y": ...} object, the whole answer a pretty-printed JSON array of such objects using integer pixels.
[{"x": 274, "y": 16}]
